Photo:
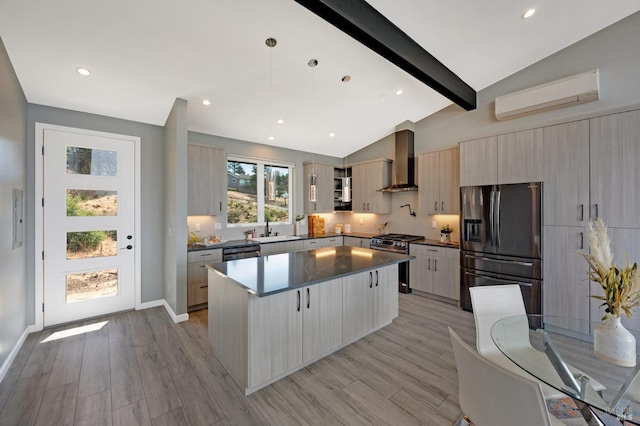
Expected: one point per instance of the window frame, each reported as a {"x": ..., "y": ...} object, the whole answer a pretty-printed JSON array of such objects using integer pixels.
[{"x": 260, "y": 189}]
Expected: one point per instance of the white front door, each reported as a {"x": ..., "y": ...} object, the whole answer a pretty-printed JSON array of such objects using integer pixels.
[{"x": 88, "y": 224}]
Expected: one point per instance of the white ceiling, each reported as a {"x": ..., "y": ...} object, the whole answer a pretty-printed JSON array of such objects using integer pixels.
[{"x": 143, "y": 54}]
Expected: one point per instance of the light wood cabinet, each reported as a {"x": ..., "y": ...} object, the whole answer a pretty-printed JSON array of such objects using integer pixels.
[
  {"x": 439, "y": 182},
  {"x": 367, "y": 179},
  {"x": 206, "y": 180},
  {"x": 275, "y": 335},
  {"x": 197, "y": 282},
  {"x": 615, "y": 175},
  {"x": 324, "y": 188},
  {"x": 566, "y": 290},
  {"x": 321, "y": 319},
  {"x": 331, "y": 241},
  {"x": 479, "y": 162},
  {"x": 370, "y": 301},
  {"x": 435, "y": 271},
  {"x": 520, "y": 157},
  {"x": 566, "y": 174},
  {"x": 311, "y": 244},
  {"x": 356, "y": 241}
]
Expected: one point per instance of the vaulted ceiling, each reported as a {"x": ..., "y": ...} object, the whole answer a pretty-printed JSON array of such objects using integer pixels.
[{"x": 144, "y": 54}]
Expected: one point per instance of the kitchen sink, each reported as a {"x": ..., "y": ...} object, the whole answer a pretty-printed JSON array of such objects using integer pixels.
[{"x": 275, "y": 238}]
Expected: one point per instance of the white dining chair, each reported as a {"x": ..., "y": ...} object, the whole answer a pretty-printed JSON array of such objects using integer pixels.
[
  {"x": 492, "y": 303},
  {"x": 489, "y": 395}
]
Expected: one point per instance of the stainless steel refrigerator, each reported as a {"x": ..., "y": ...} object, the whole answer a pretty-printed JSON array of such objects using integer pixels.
[{"x": 501, "y": 241}]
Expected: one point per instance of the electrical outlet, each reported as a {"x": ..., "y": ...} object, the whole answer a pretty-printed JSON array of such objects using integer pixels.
[
  {"x": 197, "y": 226},
  {"x": 434, "y": 224},
  {"x": 217, "y": 226},
  {"x": 361, "y": 221}
]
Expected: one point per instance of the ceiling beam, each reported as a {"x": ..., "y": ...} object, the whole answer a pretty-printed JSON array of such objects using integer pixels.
[{"x": 360, "y": 20}]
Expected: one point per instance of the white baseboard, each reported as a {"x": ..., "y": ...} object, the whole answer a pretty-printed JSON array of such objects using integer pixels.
[
  {"x": 13, "y": 353},
  {"x": 162, "y": 302}
]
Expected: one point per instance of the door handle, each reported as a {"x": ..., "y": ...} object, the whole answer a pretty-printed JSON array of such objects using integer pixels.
[
  {"x": 509, "y": 262},
  {"x": 500, "y": 279},
  {"x": 377, "y": 278},
  {"x": 204, "y": 286},
  {"x": 429, "y": 264},
  {"x": 582, "y": 241},
  {"x": 298, "y": 300},
  {"x": 441, "y": 206},
  {"x": 435, "y": 205},
  {"x": 596, "y": 210},
  {"x": 435, "y": 265},
  {"x": 491, "y": 216},
  {"x": 220, "y": 205},
  {"x": 497, "y": 218},
  {"x": 370, "y": 279},
  {"x": 129, "y": 247},
  {"x": 368, "y": 208},
  {"x": 581, "y": 212},
  {"x": 129, "y": 237},
  {"x": 364, "y": 206}
]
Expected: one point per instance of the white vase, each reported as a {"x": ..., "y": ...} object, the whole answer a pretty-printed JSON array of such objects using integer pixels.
[
  {"x": 614, "y": 343},
  {"x": 296, "y": 229}
]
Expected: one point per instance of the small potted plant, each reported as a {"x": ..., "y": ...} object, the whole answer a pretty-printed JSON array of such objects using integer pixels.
[
  {"x": 445, "y": 234},
  {"x": 621, "y": 286}
]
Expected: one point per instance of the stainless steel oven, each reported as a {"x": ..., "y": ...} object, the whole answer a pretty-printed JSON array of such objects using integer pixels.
[
  {"x": 241, "y": 252},
  {"x": 397, "y": 243}
]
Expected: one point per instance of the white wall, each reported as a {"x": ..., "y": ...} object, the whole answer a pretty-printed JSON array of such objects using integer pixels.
[{"x": 13, "y": 174}]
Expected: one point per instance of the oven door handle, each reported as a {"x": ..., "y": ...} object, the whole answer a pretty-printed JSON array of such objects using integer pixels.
[
  {"x": 490, "y": 259},
  {"x": 500, "y": 279}
]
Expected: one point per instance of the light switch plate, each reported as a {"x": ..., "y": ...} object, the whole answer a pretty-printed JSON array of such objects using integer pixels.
[
  {"x": 434, "y": 225},
  {"x": 197, "y": 226}
]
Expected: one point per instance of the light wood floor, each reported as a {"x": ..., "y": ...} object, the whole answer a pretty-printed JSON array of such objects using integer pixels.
[{"x": 141, "y": 368}]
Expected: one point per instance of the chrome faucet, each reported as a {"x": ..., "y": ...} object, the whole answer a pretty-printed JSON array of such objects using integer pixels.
[{"x": 267, "y": 231}]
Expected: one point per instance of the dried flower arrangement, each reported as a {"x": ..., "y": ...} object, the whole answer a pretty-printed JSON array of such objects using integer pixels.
[{"x": 621, "y": 286}]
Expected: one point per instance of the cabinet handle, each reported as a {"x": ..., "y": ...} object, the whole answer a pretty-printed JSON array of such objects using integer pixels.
[
  {"x": 308, "y": 299},
  {"x": 368, "y": 208},
  {"x": 435, "y": 265},
  {"x": 581, "y": 212},
  {"x": 370, "y": 279},
  {"x": 204, "y": 286},
  {"x": 298, "y": 300},
  {"x": 377, "y": 278},
  {"x": 429, "y": 265},
  {"x": 203, "y": 266},
  {"x": 441, "y": 206},
  {"x": 596, "y": 210},
  {"x": 435, "y": 205},
  {"x": 205, "y": 255},
  {"x": 364, "y": 206},
  {"x": 220, "y": 206},
  {"x": 582, "y": 241}
]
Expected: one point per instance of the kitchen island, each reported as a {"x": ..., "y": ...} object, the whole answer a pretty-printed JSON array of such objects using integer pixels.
[{"x": 270, "y": 316}]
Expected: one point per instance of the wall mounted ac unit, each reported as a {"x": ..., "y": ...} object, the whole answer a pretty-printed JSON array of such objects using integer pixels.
[{"x": 568, "y": 91}]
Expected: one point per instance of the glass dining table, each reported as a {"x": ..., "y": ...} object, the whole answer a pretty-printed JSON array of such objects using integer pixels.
[{"x": 559, "y": 352}]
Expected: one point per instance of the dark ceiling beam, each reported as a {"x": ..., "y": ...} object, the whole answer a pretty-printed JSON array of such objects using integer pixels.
[{"x": 360, "y": 20}]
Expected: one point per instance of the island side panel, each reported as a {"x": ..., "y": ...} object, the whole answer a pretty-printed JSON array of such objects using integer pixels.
[{"x": 228, "y": 325}]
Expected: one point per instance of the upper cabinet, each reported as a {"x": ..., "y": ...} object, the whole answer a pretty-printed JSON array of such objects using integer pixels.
[
  {"x": 367, "y": 179},
  {"x": 479, "y": 162},
  {"x": 615, "y": 175},
  {"x": 439, "y": 182},
  {"x": 206, "y": 180},
  {"x": 520, "y": 157},
  {"x": 324, "y": 188},
  {"x": 565, "y": 156},
  {"x": 511, "y": 158}
]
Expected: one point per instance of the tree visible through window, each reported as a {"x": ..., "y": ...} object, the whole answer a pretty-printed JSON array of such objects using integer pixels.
[{"x": 244, "y": 206}]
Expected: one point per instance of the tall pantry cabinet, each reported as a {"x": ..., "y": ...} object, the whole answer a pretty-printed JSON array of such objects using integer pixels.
[{"x": 590, "y": 171}]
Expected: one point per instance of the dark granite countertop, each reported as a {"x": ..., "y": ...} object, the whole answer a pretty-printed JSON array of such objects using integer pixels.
[
  {"x": 225, "y": 244},
  {"x": 275, "y": 273},
  {"x": 240, "y": 243},
  {"x": 426, "y": 242}
]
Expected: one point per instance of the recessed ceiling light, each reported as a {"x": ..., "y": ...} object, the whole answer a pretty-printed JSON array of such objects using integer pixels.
[
  {"x": 528, "y": 14},
  {"x": 280, "y": 121},
  {"x": 332, "y": 135},
  {"x": 399, "y": 92},
  {"x": 206, "y": 102},
  {"x": 83, "y": 71},
  {"x": 271, "y": 138}
]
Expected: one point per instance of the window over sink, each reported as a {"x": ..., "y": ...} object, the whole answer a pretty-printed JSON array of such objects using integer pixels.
[{"x": 258, "y": 190}]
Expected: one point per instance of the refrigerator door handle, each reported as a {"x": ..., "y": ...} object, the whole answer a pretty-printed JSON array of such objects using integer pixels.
[
  {"x": 490, "y": 259},
  {"x": 526, "y": 284},
  {"x": 497, "y": 222},
  {"x": 491, "y": 215}
]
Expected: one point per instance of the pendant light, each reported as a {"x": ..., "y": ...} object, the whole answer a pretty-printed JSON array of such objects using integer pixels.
[
  {"x": 313, "y": 193},
  {"x": 346, "y": 180},
  {"x": 271, "y": 179}
]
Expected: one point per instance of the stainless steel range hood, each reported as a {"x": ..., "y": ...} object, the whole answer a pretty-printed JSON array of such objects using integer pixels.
[{"x": 404, "y": 164}]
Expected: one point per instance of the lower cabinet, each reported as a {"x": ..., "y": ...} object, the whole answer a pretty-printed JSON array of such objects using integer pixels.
[
  {"x": 356, "y": 241},
  {"x": 369, "y": 301},
  {"x": 436, "y": 271},
  {"x": 197, "y": 284},
  {"x": 293, "y": 327}
]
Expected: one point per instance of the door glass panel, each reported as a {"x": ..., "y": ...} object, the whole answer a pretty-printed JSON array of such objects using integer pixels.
[
  {"x": 91, "y": 285},
  {"x": 88, "y": 244},
  {"x": 89, "y": 202},
  {"x": 89, "y": 161}
]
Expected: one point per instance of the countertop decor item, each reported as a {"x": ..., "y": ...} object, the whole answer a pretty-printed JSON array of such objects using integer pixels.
[
  {"x": 445, "y": 234},
  {"x": 296, "y": 226},
  {"x": 611, "y": 341}
]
